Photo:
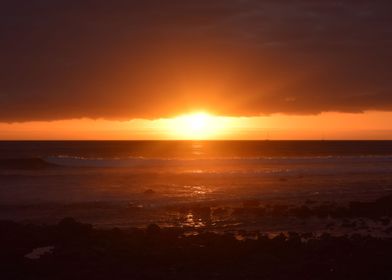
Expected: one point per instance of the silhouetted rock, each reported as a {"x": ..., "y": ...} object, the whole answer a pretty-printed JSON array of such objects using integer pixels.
[
  {"x": 202, "y": 212},
  {"x": 220, "y": 212},
  {"x": 70, "y": 231},
  {"x": 149, "y": 192},
  {"x": 153, "y": 229},
  {"x": 159, "y": 253}
]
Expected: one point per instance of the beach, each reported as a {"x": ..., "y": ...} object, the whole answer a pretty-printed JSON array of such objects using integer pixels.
[{"x": 188, "y": 210}]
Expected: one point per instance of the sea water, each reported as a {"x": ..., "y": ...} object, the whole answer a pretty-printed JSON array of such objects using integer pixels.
[{"x": 139, "y": 182}]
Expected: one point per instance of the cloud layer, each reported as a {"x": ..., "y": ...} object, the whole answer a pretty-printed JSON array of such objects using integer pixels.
[{"x": 146, "y": 59}]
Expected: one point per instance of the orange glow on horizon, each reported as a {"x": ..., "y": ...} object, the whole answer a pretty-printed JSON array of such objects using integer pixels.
[
  {"x": 200, "y": 125},
  {"x": 197, "y": 126}
]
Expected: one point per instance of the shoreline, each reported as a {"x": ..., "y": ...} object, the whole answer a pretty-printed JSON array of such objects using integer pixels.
[
  {"x": 79, "y": 251},
  {"x": 372, "y": 217}
]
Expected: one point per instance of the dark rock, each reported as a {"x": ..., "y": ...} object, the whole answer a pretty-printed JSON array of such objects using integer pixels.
[{"x": 149, "y": 192}]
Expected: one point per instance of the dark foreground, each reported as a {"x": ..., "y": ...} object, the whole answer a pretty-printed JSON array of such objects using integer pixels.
[{"x": 78, "y": 251}]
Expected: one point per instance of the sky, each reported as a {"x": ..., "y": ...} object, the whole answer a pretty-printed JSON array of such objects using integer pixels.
[{"x": 94, "y": 69}]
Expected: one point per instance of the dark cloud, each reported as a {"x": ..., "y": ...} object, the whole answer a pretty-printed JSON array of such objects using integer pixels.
[{"x": 148, "y": 58}]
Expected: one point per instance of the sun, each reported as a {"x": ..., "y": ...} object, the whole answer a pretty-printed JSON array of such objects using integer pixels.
[
  {"x": 197, "y": 122},
  {"x": 197, "y": 125}
]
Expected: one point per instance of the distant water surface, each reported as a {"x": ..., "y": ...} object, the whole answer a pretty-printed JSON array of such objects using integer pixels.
[
  {"x": 162, "y": 174},
  {"x": 192, "y": 149}
]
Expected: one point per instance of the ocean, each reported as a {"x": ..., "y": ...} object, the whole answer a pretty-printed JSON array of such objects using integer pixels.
[{"x": 183, "y": 183}]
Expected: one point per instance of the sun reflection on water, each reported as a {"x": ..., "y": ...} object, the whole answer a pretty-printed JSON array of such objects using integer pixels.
[
  {"x": 192, "y": 221},
  {"x": 196, "y": 191}
]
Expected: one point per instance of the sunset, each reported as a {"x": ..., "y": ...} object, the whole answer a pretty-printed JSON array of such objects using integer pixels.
[
  {"x": 195, "y": 139},
  {"x": 200, "y": 125}
]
